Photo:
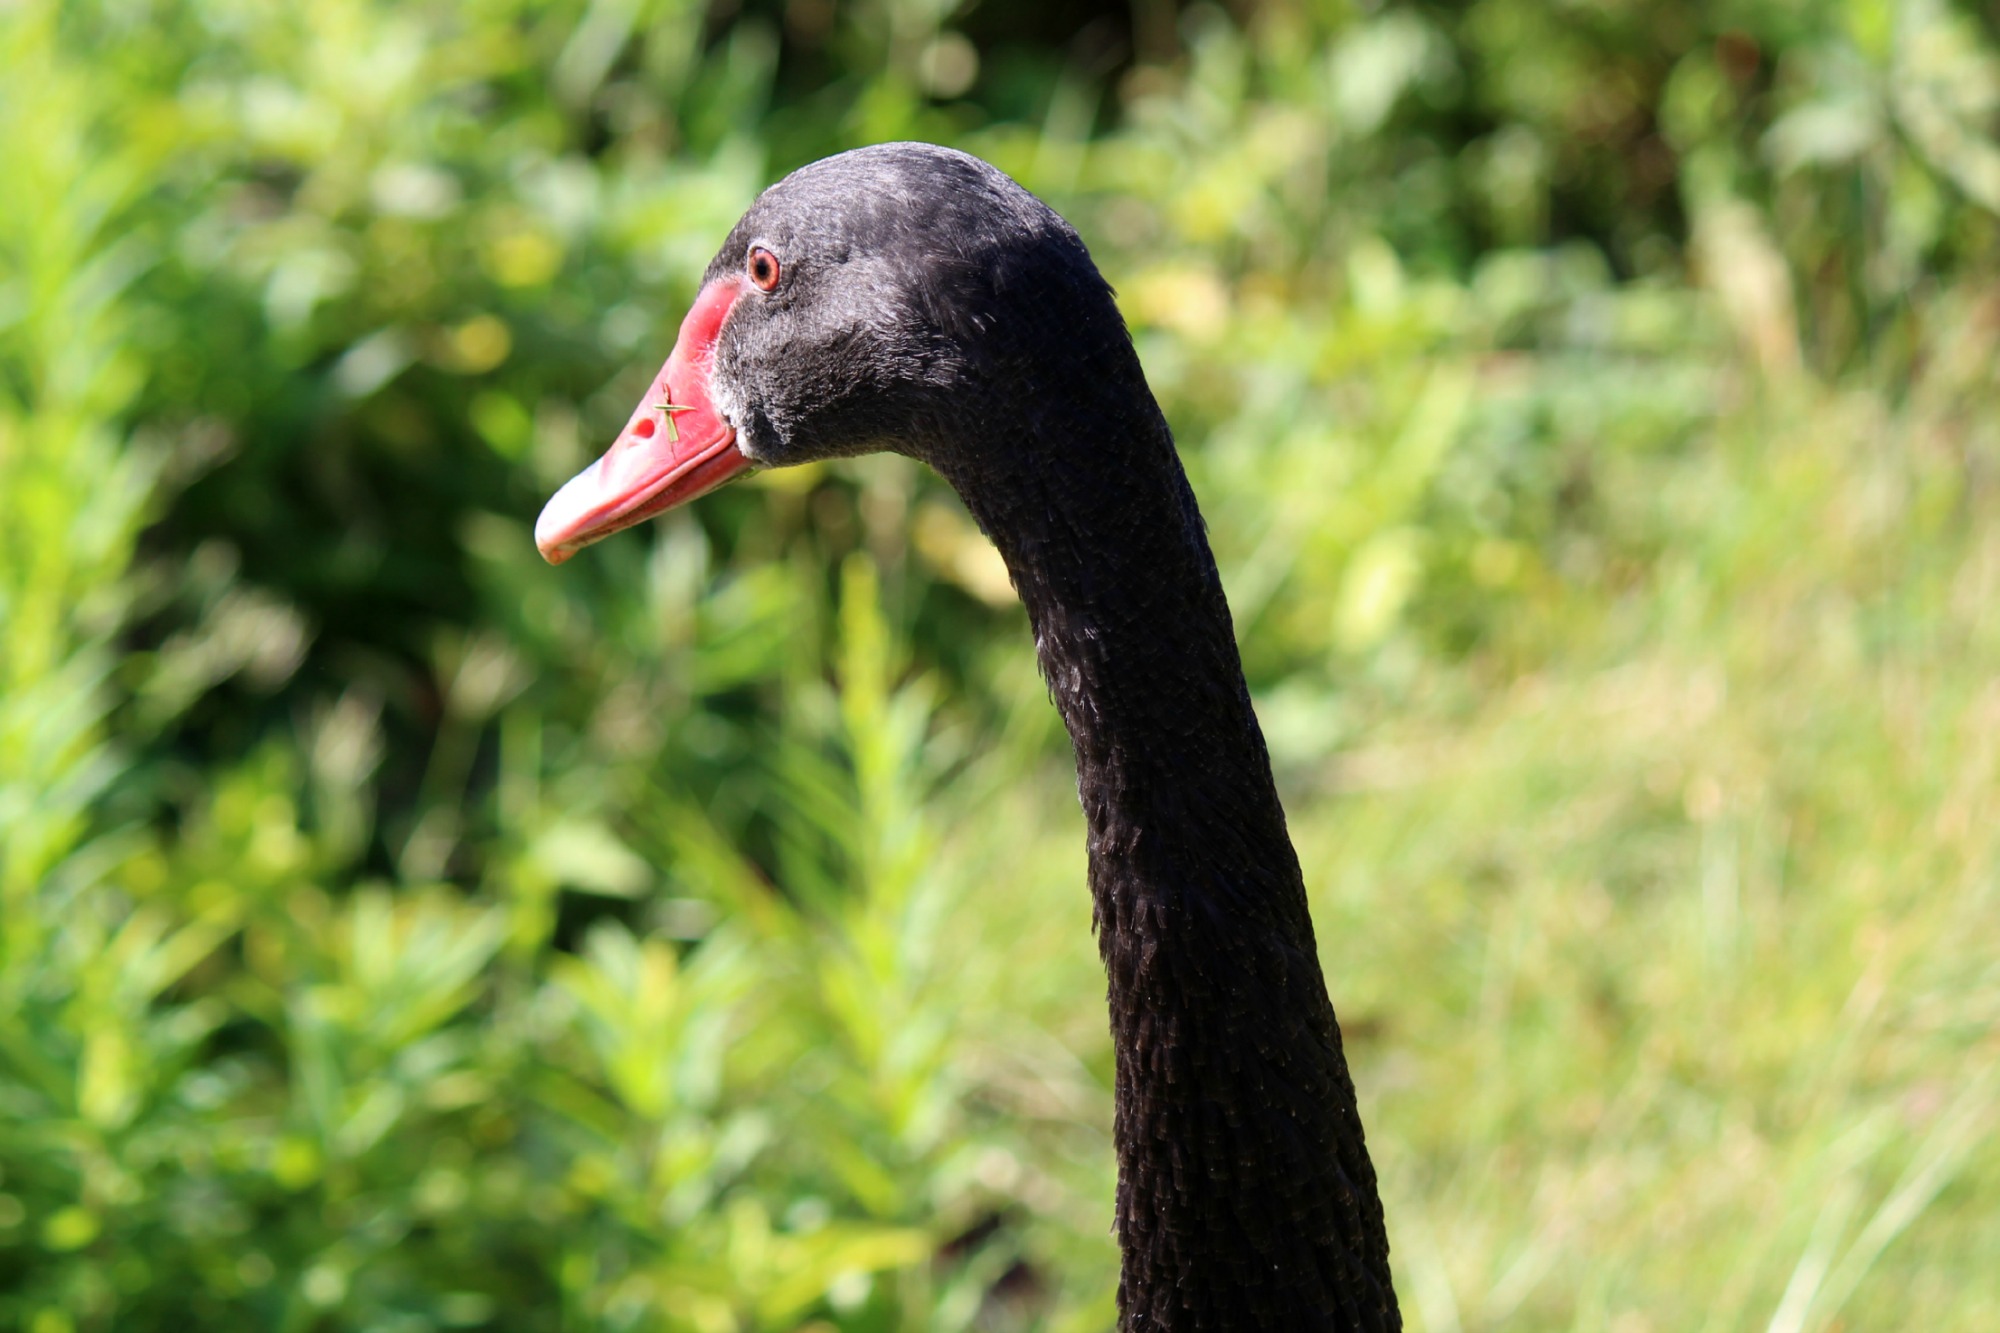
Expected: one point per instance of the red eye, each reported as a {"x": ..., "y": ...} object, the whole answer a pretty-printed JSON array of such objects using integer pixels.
[{"x": 763, "y": 268}]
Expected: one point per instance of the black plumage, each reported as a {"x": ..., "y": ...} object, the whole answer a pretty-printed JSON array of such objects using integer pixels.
[{"x": 931, "y": 306}]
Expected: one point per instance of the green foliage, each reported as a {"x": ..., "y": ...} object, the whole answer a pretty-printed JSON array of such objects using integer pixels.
[{"x": 1594, "y": 411}]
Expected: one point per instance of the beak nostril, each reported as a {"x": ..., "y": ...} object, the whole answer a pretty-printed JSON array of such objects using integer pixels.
[{"x": 644, "y": 428}]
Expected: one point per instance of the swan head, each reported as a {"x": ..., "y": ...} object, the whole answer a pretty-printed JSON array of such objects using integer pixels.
[{"x": 901, "y": 297}]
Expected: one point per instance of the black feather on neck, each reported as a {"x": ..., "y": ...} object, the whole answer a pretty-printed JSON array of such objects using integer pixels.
[{"x": 1246, "y": 1200}]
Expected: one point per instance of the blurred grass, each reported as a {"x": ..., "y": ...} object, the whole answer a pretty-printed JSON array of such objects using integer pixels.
[{"x": 1594, "y": 409}]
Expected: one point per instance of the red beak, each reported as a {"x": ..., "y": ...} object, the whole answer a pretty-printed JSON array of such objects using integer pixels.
[{"x": 675, "y": 447}]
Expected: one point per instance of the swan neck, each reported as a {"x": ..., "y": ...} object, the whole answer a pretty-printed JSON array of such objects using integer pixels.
[{"x": 1246, "y": 1198}]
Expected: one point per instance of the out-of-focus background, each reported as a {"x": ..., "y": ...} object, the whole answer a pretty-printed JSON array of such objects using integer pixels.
[{"x": 1595, "y": 407}]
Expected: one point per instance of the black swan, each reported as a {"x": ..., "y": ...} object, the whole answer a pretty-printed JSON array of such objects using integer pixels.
[{"x": 912, "y": 298}]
